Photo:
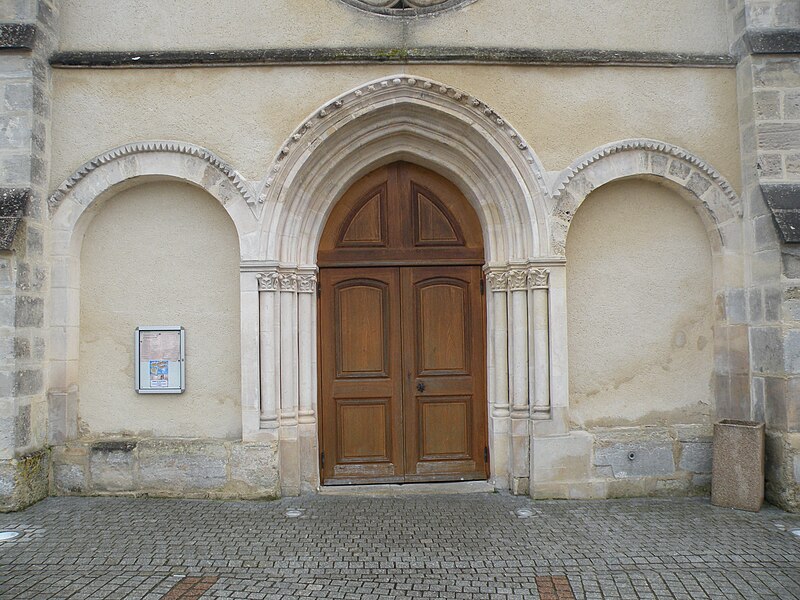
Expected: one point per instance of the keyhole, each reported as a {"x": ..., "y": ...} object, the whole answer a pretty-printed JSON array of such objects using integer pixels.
[{"x": 420, "y": 387}]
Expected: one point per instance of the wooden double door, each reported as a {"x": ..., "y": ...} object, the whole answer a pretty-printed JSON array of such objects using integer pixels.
[{"x": 402, "y": 350}]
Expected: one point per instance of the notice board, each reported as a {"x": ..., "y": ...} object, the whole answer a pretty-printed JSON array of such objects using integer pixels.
[{"x": 160, "y": 359}]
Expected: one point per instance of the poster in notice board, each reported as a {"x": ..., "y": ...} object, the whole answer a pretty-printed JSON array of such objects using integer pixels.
[{"x": 160, "y": 360}]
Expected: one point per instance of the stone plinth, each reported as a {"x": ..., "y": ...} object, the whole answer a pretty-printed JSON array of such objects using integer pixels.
[{"x": 737, "y": 477}]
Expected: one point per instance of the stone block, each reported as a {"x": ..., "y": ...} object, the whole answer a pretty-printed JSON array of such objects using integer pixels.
[
  {"x": 254, "y": 469},
  {"x": 18, "y": 96},
  {"x": 22, "y": 426},
  {"x": 111, "y": 464},
  {"x": 69, "y": 479},
  {"x": 791, "y": 104},
  {"x": 738, "y": 465},
  {"x": 797, "y": 468},
  {"x": 773, "y": 297},
  {"x": 735, "y": 306},
  {"x": 637, "y": 459},
  {"x": 679, "y": 169},
  {"x": 770, "y": 166},
  {"x": 561, "y": 458},
  {"x": 15, "y": 169},
  {"x": 767, "y": 105},
  {"x": 7, "y": 484},
  {"x": 766, "y": 349},
  {"x": 757, "y": 393},
  {"x": 695, "y": 457},
  {"x": 29, "y": 382},
  {"x": 775, "y": 402},
  {"x": 29, "y": 311},
  {"x": 792, "y": 165},
  {"x": 776, "y": 72},
  {"x": 173, "y": 467},
  {"x": 7, "y": 315},
  {"x": 15, "y": 132},
  {"x": 778, "y": 136},
  {"x": 791, "y": 349}
]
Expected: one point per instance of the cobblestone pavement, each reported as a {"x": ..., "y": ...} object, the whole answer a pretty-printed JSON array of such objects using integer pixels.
[{"x": 361, "y": 548}]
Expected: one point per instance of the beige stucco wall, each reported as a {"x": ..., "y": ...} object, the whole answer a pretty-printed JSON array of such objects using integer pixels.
[
  {"x": 245, "y": 114},
  {"x": 678, "y": 25},
  {"x": 639, "y": 305},
  {"x": 161, "y": 253}
]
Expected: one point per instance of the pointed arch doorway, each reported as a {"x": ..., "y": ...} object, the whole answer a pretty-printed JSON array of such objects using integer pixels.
[{"x": 402, "y": 333}]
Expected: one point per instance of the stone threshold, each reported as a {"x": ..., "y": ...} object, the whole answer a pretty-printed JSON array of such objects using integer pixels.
[{"x": 408, "y": 489}]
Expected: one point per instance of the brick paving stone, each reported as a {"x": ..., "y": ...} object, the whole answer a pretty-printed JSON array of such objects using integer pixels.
[{"x": 466, "y": 547}]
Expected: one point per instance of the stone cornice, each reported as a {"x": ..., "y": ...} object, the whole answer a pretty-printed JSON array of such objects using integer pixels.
[
  {"x": 783, "y": 199},
  {"x": 387, "y": 55},
  {"x": 13, "y": 202},
  {"x": 153, "y": 146},
  {"x": 17, "y": 36}
]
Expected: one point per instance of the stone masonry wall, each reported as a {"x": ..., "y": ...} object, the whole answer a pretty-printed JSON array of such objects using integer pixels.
[
  {"x": 24, "y": 150},
  {"x": 186, "y": 468},
  {"x": 624, "y": 462},
  {"x": 766, "y": 36}
]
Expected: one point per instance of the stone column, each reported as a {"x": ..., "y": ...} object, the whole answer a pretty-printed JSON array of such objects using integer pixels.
[
  {"x": 539, "y": 317},
  {"x": 499, "y": 421},
  {"x": 289, "y": 451},
  {"x": 27, "y": 37},
  {"x": 307, "y": 378},
  {"x": 765, "y": 36},
  {"x": 250, "y": 367},
  {"x": 518, "y": 328},
  {"x": 269, "y": 329}
]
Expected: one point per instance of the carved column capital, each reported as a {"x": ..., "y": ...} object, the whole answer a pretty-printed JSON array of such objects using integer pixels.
[
  {"x": 538, "y": 278},
  {"x": 517, "y": 280},
  {"x": 306, "y": 283},
  {"x": 497, "y": 281},
  {"x": 267, "y": 282},
  {"x": 287, "y": 282}
]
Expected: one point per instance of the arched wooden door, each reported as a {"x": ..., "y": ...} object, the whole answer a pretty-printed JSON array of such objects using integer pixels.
[{"x": 402, "y": 348}]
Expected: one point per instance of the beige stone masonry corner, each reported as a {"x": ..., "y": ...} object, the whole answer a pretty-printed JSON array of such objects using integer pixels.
[{"x": 524, "y": 212}]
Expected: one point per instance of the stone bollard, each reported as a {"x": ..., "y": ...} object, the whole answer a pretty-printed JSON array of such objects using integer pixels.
[{"x": 737, "y": 477}]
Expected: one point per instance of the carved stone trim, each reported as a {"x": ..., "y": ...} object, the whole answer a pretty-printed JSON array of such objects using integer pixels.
[
  {"x": 405, "y": 8},
  {"x": 655, "y": 146},
  {"x": 241, "y": 185},
  {"x": 287, "y": 281},
  {"x": 395, "y": 86},
  {"x": 538, "y": 278},
  {"x": 517, "y": 280}
]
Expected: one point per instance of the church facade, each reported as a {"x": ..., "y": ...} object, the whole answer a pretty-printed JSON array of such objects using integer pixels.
[{"x": 253, "y": 249}]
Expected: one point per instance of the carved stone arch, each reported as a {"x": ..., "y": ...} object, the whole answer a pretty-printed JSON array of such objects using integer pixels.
[
  {"x": 81, "y": 195},
  {"x": 713, "y": 197},
  {"x": 414, "y": 119},
  {"x": 126, "y": 165}
]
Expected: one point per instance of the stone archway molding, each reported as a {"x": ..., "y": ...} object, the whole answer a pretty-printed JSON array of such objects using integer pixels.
[
  {"x": 405, "y": 117},
  {"x": 716, "y": 201}
]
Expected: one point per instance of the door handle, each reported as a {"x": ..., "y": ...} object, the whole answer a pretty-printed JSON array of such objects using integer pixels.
[{"x": 420, "y": 387}]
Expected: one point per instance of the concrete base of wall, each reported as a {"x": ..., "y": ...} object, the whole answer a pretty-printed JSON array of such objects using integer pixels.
[
  {"x": 783, "y": 470},
  {"x": 623, "y": 462},
  {"x": 24, "y": 480},
  {"x": 185, "y": 468}
]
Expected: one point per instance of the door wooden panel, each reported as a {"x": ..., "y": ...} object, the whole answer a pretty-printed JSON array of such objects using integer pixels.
[
  {"x": 443, "y": 398},
  {"x": 402, "y": 351},
  {"x": 361, "y": 387}
]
